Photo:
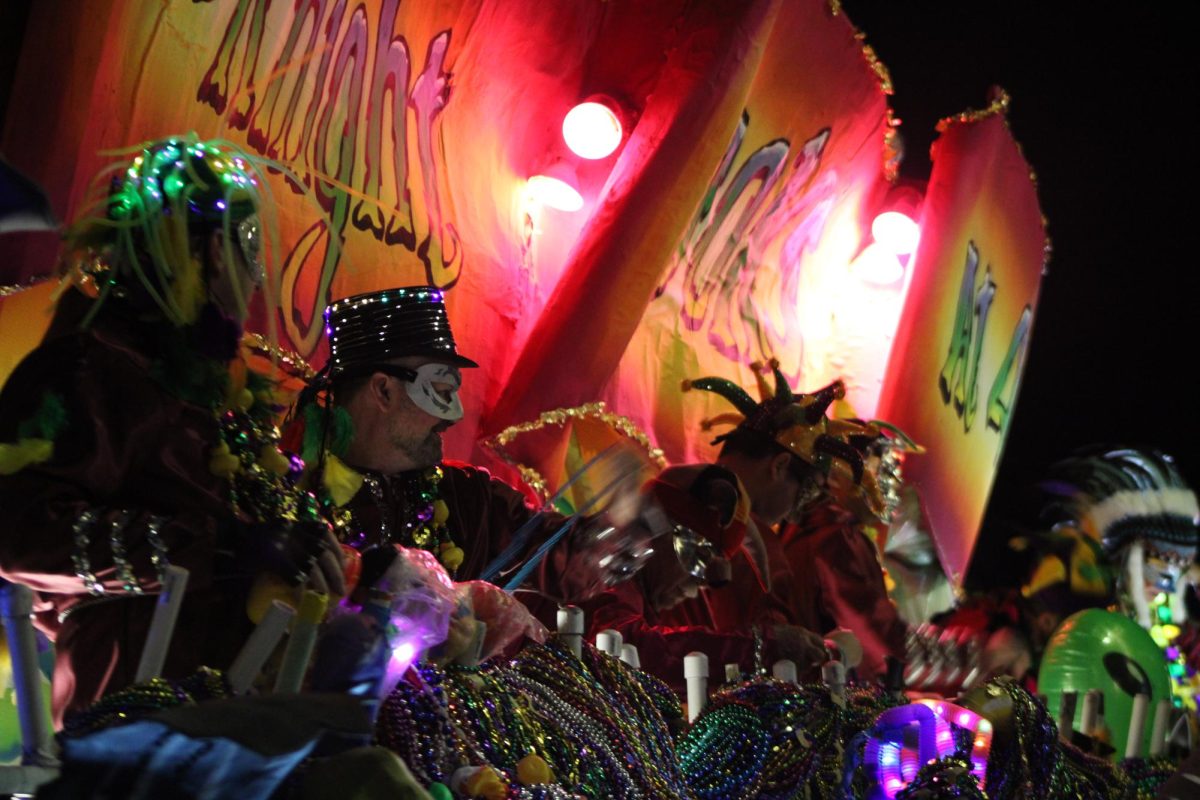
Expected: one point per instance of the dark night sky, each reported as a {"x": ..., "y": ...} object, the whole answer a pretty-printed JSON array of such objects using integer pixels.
[{"x": 1103, "y": 104}]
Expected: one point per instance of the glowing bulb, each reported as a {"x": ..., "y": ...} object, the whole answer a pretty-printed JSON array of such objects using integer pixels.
[
  {"x": 591, "y": 130},
  {"x": 877, "y": 265},
  {"x": 555, "y": 193},
  {"x": 897, "y": 232},
  {"x": 404, "y": 652}
]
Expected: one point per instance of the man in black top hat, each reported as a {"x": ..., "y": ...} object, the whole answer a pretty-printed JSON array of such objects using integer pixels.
[{"x": 391, "y": 389}]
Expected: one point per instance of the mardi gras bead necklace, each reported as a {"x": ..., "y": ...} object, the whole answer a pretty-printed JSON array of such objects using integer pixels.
[
  {"x": 792, "y": 738},
  {"x": 1035, "y": 763},
  {"x": 414, "y": 723},
  {"x": 501, "y": 722},
  {"x": 1185, "y": 680},
  {"x": 484, "y": 715},
  {"x": 134, "y": 702},
  {"x": 784, "y": 728},
  {"x": 599, "y": 771},
  {"x": 600, "y": 689},
  {"x": 732, "y": 729},
  {"x": 1147, "y": 775},
  {"x": 416, "y": 496},
  {"x": 651, "y": 701},
  {"x": 943, "y": 779},
  {"x": 262, "y": 480}
]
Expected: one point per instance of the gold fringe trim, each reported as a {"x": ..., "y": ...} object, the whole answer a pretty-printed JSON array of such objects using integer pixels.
[
  {"x": 998, "y": 105},
  {"x": 16, "y": 288},
  {"x": 289, "y": 359},
  {"x": 893, "y": 147},
  {"x": 1000, "y": 101},
  {"x": 560, "y": 417},
  {"x": 877, "y": 66}
]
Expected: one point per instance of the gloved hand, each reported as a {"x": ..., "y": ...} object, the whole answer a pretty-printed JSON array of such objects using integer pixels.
[
  {"x": 800, "y": 645},
  {"x": 302, "y": 553}
]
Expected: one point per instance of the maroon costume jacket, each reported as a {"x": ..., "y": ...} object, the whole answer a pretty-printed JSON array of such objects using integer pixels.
[
  {"x": 484, "y": 515},
  {"x": 130, "y": 452}
]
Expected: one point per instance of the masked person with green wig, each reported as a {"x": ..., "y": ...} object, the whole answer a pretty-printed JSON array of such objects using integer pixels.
[{"x": 134, "y": 437}]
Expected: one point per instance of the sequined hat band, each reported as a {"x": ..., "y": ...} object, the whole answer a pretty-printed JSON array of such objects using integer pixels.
[{"x": 371, "y": 328}]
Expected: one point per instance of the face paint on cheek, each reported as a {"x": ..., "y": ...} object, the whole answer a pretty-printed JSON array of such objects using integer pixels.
[{"x": 435, "y": 391}]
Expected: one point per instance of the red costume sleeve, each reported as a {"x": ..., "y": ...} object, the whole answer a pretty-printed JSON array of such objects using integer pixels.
[{"x": 840, "y": 584}]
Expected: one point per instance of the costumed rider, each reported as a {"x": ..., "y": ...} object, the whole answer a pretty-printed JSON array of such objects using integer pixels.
[
  {"x": 372, "y": 424},
  {"x": 133, "y": 437},
  {"x": 832, "y": 543},
  {"x": 773, "y": 463},
  {"x": 1136, "y": 505}
]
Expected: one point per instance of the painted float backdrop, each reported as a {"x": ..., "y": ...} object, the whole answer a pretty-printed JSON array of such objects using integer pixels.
[
  {"x": 966, "y": 330},
  {"x": 723, "y": 230}
]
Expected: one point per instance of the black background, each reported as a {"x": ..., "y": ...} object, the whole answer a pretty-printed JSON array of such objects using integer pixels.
[{"x": 1104, "y": 101}]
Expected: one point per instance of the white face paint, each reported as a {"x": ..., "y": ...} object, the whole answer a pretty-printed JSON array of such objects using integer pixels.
[{"x": 435, "y": 391}]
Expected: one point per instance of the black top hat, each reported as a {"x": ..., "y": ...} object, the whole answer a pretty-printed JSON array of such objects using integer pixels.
[{"x": 369, "y": 329}]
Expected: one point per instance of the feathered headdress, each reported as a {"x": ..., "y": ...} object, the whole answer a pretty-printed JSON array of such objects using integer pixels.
[
  {"x": 862, "y": 456},
  {"x": 1120, "y": 496}
]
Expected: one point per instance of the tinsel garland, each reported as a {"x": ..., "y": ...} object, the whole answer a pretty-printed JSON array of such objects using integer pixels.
[{"x": 560, "y": 417}]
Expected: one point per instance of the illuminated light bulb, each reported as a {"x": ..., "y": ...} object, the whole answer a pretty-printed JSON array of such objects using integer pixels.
[
  {"x": 592, "y": 130},
  {"x": 897, "y": 232},
  {"x": 555, "y": 193},
  {"x": 877, "y": 265},
  {"x": 403, "y": 654}
]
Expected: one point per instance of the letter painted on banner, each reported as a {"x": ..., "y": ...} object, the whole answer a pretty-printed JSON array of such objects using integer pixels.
[
  {"x": 332, "y": 79},
  {"x": 958, "y": 382}
]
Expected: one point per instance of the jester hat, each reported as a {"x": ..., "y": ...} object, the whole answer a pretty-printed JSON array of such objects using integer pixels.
[{"x": 856, "y": 456}]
